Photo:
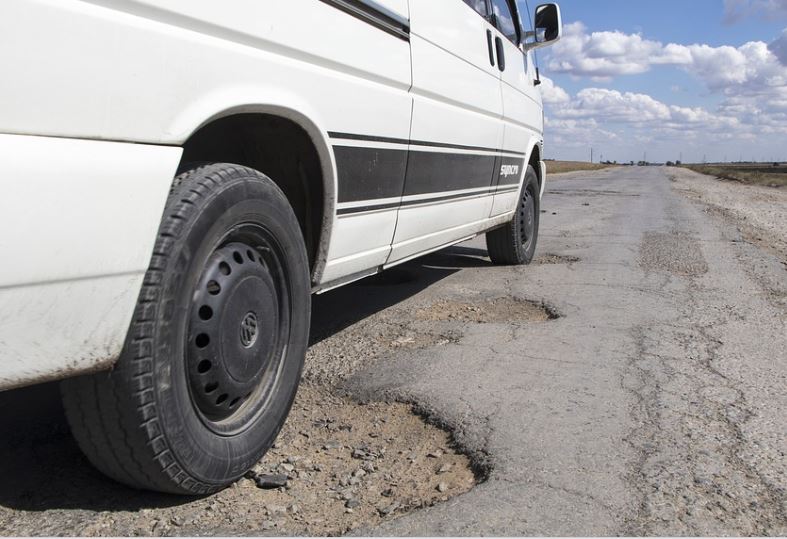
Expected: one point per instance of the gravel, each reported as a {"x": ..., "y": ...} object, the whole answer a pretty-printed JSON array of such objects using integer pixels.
[{"x": 760, "y": 212}]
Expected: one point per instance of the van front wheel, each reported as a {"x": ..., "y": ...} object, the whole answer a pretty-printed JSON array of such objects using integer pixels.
[
  {"x": 215, "y": 350},
  {"x": 515, "y": 243}
]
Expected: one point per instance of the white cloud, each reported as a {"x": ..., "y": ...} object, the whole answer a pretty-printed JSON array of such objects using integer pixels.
[
  {"x": 699, "y": 118},
  {"x": 747, "y": 67},
  {"x": 612, "y": 105},
  {"x": 551, "y": 93},
  {"x": 768, "y": 114},
  {"x": 603, "y": 106},
  {"x": 577, "y": 132},
  {"x": 601, "y": 54},
  {"x": 611, "y": 119}
]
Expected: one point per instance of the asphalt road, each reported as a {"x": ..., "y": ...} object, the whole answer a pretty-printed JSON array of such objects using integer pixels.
[{"x": 655, "y": 404}]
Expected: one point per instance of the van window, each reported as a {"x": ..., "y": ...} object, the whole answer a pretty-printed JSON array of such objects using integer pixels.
[
  {"x": 504, "y": 20},
  {"x": 478, "y": 5}
]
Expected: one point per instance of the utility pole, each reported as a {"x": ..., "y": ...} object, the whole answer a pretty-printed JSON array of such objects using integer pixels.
[{"x": 591, "y": 154}]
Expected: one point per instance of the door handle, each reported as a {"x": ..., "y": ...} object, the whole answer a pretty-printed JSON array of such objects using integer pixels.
[
  {"x": 501, "y": 55},
  {"x": 489, "y": 45}
]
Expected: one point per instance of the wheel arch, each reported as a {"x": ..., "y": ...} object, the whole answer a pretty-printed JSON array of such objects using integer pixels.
[
  {"x": 205, "y": 119},
  {"x": 533, "y": 157},
  {"x": 534, "y": 160}
]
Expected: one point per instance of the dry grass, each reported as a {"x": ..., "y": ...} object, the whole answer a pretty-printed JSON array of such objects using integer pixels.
[
  {"x": 754, "y": 173},
  {"x": 556, "y": 167}
]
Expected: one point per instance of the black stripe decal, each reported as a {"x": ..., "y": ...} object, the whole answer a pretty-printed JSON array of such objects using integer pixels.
[
  {"x": 448, "y": 198},
  {"x": 368, "y": 138},
  {"x": 432, "y": 172},
  {"x": 368, "y": 207},
  {"x": 445, "y": 198},
  {"x": 372, "y": 13},
  {"x": 369, "y": 173}
]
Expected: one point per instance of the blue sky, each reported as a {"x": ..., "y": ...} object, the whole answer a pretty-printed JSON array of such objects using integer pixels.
[{"x": 705, "y": 78}]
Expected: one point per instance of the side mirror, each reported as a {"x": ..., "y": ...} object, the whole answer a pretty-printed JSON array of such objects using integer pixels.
[{"x": 548, "y": 27}]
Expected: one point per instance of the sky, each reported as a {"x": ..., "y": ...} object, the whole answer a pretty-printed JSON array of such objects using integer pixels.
[{"x": 701, "y": 80}]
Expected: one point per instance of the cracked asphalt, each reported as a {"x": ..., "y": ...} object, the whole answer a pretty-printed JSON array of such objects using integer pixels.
[{"x": 655, "y": 403}]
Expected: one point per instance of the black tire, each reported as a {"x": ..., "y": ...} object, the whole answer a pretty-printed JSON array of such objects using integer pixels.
[
  {"x": 515, "y": 243},
  {"x": 226, "y": 301}
]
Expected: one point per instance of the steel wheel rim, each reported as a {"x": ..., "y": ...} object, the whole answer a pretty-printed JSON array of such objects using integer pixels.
[
  {"x": 527, "y": 221},
  {"x": 237, "y": 329}
]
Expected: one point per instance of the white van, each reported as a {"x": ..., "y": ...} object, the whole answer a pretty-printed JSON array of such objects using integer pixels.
[{"x": 311, "y": 142}]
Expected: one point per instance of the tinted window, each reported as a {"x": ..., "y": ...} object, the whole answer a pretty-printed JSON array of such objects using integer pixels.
[
  {"x": 478, "y": 5},
  {"x": 504, "y": 19}
]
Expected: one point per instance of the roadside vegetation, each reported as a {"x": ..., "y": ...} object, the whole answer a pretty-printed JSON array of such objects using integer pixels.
[
  {"x": 768, "y": 174},
  {"x": 556, "y": 167}
]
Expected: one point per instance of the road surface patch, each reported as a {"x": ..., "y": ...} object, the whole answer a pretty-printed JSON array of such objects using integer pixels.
[
  {"x": 673, "y": 252},
  {"x": 551, "y": 258}
]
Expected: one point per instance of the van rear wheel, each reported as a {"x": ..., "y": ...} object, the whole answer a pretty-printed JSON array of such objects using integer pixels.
[
  {"x": 215, "y": 350},
  {"x": 515, "y": 243}
]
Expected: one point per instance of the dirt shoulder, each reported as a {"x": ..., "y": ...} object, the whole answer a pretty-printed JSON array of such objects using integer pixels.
[
  {"x": 769, "y": 175},
  {"x": 759, "y": 212}
]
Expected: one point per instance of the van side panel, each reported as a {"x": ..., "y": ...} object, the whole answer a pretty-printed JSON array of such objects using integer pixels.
[{"x": 78, "y": 220}]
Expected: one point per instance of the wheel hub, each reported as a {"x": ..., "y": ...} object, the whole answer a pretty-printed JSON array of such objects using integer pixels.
[
  {"x": 232, "y": 330},
  {"x": 248, "y": 330}
]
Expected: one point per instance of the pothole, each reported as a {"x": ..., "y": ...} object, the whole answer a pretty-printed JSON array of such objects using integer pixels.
[
  {"x": 497, "y": 310},
  {"x": 551, "y": 258},
  {"x": 351, "y": 465}
]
